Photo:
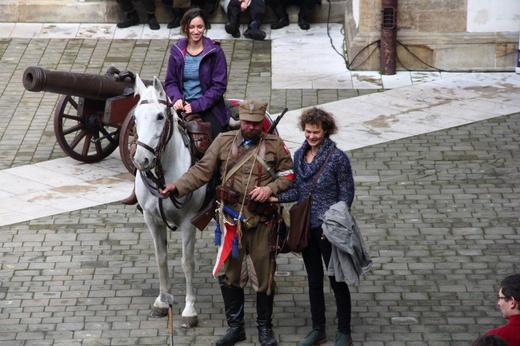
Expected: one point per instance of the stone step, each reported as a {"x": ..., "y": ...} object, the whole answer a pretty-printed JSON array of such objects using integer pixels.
[{"x": 108, "y": 11}]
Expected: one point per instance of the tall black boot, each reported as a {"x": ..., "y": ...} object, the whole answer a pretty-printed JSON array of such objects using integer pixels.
[
  {"x": 234, "y": 305},
  {"x": 264, "y": 321},
  {"x": 132, "y": 18},
  {"x": 232, "y": 26},
  {"x": 254, "y": 32}
]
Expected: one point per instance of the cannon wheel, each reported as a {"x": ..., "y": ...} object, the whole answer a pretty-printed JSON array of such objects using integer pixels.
[
  {"x": 83, "y": 137},
  {"x": 126, "y": 141}
]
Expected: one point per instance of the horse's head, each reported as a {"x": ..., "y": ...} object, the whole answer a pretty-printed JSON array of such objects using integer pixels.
[{"x": 153, "y": 123}]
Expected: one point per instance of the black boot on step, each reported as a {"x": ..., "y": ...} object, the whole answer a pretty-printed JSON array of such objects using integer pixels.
[
  {"x": 177, "y": 16},
  {"x": 132, "y": 18},
  {"x": 232, "y": 26},
  {"x": 152, "y": 22},
  {"x": 254, "y": 32}
]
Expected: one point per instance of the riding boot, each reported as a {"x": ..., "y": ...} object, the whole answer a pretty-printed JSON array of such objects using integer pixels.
[
  {"x": 264, "y": 311},
  {"x": 232, "y": 26},
  {"x": 254, "y": 32},
  {"x": 177, "y": 16},
  {"x": 132, "y": 18},
  {"x": 234, "y": 305},
  {"x": 130, "y": 200}
]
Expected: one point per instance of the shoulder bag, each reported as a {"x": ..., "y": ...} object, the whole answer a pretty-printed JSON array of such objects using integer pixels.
[{"x": 300, "y": 217}]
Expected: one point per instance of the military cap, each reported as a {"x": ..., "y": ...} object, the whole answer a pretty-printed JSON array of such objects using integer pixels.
[{"x": 251, "y": 110}]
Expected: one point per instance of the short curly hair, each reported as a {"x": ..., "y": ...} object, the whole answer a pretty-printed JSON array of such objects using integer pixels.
[
  {"x": 319, "y": 117},
  {"x": 191, "y": 14}
]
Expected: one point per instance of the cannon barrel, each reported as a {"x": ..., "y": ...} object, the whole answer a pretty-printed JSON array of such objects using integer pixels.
[{"x": 99, "y": 87}]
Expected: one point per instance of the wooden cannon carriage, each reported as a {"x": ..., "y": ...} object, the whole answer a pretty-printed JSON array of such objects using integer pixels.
[
  {"x": 91, "y": 118},
  {"x": 94, "y": 114}
]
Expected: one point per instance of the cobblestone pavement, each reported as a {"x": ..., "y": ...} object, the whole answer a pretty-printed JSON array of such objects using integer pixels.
[{"x": 439, "y": 213}]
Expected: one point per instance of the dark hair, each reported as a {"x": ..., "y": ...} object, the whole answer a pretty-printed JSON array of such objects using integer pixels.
[
  {"x": 489, "y": 340},
  {"x": 191, "y": 14},
  {"x": 511, "y": 287},
  {"x": 319, "y": 117}
]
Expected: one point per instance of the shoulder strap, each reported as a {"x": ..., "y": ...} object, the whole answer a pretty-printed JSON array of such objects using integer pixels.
[
  {"x": 241, "y": 159},
  {"x": 321, "y": 169}
]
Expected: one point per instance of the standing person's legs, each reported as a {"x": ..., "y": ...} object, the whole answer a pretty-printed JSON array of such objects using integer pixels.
[
  {"x": 343, "y": 302},
  {"x": 314, "y": 267},
  {"x": 263, "y": 273}
]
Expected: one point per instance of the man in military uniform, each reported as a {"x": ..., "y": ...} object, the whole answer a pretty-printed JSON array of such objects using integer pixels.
[{"x": 253, "y": 166}]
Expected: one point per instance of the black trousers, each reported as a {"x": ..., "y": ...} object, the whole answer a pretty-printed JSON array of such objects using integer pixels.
[
  {"x": 128, "y": 6},
  {"x": 318, "y": 251},
  {"x": 278, "y": 7},
  {"x": 256, "y": 9}
]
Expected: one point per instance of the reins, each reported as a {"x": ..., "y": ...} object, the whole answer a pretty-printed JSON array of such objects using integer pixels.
[{"x": 155, "y": 182}]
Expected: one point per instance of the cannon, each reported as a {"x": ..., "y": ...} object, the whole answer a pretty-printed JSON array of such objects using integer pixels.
[
  {"x": 94, "y": 115},
  {"x": 91, "y": 118}
]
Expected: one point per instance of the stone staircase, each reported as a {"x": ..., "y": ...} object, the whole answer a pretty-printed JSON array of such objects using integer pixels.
[{"x": 108, "y": 11}]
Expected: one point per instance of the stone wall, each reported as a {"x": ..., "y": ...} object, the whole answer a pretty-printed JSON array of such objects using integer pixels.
[
  {"x": 431, "y": 34},
  {"x": 108, "y": 11}
]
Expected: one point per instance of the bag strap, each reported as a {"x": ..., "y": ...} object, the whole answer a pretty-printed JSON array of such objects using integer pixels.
[
  {"x": 243, "y": 158},
  {"x": 321, "y": 170}
]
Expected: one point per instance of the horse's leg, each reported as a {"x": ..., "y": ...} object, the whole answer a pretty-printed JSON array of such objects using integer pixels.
[
  {"x": 158, "y": 231},
  {"x": 189, "y": 314}
]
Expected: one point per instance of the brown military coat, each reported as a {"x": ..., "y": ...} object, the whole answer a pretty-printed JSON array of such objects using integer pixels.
[{"x": 218, "y": 155}]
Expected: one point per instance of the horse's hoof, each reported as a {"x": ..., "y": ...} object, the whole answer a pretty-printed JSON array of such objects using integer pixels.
[
  {"x": 158, "y": 312},
  {"x": 189, "y": 322}
]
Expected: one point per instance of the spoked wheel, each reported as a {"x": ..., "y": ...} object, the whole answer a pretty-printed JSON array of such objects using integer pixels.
[
  {"x": 80, "y": 132},
  {"x": 127, "y": 142}
]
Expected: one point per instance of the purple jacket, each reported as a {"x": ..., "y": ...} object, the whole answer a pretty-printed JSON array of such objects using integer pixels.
[{"x": 212, "y": 75}]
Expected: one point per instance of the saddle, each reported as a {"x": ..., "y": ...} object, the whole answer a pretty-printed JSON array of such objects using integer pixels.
[{"x": 199, "y": 133}]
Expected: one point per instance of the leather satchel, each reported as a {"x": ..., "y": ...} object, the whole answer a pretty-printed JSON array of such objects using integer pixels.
[
  {"x": 300, "y": 216},
  {"x": 300, "y": 231}
]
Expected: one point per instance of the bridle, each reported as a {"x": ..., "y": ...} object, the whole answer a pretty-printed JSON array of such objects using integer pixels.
[{"x": 155, "y": 181}]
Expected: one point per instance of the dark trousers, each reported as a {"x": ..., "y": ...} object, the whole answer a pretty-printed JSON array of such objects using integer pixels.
[
  {"x": 128, "y": 6},
  {"x": 317, "y": 250},
  {"x": 278, "y": 7},
  {"x": 256, "y": 9}
]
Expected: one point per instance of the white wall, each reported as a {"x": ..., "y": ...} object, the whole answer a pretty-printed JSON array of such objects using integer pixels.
[
  {"x": 355, "y": 11},
  {"x": 493, "y": 15}
]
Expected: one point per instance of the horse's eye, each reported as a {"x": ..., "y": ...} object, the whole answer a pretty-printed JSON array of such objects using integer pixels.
[{"x": 160, "y": 116}]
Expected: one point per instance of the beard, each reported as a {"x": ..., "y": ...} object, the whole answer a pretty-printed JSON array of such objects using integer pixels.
[{"x": 251, "y": 134}]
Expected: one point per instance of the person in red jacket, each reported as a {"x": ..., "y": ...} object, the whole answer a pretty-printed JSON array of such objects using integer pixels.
[{"x": 509, "y": 303}]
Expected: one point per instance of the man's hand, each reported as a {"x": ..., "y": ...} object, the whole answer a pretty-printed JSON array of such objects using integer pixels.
[
  {"x": 169, "y": 188},
  {"x": 261, "y": 193}
]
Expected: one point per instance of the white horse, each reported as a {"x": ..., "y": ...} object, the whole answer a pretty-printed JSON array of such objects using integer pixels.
[{"x": 161, "y": 148}]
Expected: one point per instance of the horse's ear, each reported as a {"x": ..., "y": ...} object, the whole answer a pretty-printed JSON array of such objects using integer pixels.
[
  {"x": 157, "y": 84},
  {"x": 139, "y": 85}
]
